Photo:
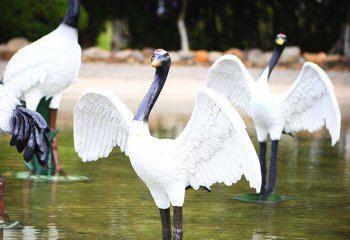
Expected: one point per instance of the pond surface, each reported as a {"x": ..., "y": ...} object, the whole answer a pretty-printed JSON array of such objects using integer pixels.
[{"x": 115, "y": 204}]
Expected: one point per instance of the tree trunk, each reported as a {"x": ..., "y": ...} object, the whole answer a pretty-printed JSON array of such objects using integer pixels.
[
  {"x": 182, "y": 27},
  {"x": 347, "y": 37},
  {"x": 116, "y": 34}
]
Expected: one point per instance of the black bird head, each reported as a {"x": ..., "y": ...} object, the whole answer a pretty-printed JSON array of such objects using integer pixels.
[
  {"x": 281, "y": 39},
  {"x": 160, "y": 59}
]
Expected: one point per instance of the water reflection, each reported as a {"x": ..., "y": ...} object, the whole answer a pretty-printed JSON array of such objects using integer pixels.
[
  {"x": 117, "y": 205},
  {"x": 30, "y": 231}
]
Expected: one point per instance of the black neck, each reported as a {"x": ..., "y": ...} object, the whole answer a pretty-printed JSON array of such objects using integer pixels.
[
  {"x": 273, "y": 60},
  {"x": 148, "y": 101},
  {"x": 72, "y": 15}
]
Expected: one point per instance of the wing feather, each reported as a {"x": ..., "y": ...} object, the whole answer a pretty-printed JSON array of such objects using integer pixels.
[
  {"x": 229, "y": 77},
  {"x": 8, "y": 103},
  {"x": 310, "y": 103},
  {"x": 215, "y": 146},
  {"x": 101, "y": 121}
]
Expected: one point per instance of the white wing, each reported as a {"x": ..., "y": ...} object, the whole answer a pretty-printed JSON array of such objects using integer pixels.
[
  {"x": 101, "y": 121},
  {"x": 7, "y": 103},
  {"x": 229, "y": 77},
  {"x": 311, "y": 102},
  {"x": 215, "y": 145}
]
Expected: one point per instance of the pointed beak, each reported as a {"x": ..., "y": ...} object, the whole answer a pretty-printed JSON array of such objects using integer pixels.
[
  {"x": 280, "y": 41},
  {"x": 156, "y": 63}
]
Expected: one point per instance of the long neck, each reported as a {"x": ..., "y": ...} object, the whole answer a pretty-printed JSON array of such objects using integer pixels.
[
  {"x": 272, "y": 62},
  {"x": 72, "y": 15},
  {"x": 148, "y": 101}
]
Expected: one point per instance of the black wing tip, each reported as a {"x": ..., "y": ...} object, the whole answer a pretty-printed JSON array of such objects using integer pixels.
[
  {"x": 29, "y": 134},
  {"x": 288, "y": 133},
  {"x": 208, "y": 189}
]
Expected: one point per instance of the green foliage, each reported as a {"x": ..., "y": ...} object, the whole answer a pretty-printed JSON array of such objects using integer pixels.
[
  {"x": 314, "y": 25},
  {"x": 104, "y": 38},
  {"x": 33, "y": 18}
]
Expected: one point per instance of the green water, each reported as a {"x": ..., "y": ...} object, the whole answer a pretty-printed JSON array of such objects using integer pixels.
[{"x": 115, "y": 204}]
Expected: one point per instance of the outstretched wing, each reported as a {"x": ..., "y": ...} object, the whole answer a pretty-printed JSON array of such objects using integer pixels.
[
  {"x": 101, "y": 121},
  {"x": 311, "y": 102},
  {"x": 229, "y": 77},
  {"x": 215, "y": 145}
]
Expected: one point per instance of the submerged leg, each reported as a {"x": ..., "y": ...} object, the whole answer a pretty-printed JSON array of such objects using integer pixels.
[
  {"x": 262, "y": 159},
  {"x": 53, "y": 117},
  {"x": 166, "y": 228},
  {"x": 178, "y": 232},
  {"x": 273, "y": 166}
]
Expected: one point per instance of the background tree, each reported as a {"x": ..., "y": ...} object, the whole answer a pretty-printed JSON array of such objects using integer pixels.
[
  {"x": 33, "y": 18},
  {"x": 314, "y": 25}
]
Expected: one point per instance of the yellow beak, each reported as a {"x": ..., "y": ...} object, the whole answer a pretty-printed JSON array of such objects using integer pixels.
[
  {"x": 279, "y": 41},
  {"x": 156, "y": 63}
]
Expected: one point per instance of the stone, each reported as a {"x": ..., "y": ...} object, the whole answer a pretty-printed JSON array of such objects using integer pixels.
[
  {"x": 138, "y": 56},
  {"x": 256, "y": 57},
  {"x": 122, "y": 56},
  {"x": 237, "y": 52},
  {"x": 213, "y": 56},
  {"x": 95, "y": 54},
  {"x": 317, "y": 58},
  {"x": 13, "y": 45},
  {"x": 334, "y": 58},
  {"x": 201, "y": 56},
  {"x": 175, "y": 57},
  {"x": 290, "y": 55},
  {"x": 147, "y": 53}
]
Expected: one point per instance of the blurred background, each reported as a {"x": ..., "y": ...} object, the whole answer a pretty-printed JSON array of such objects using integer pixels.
[{"x": 314, "y": 26}]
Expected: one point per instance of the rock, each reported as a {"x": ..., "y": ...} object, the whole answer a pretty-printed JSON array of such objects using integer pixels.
[
  {"x": 334, "y": 58},
  {"x": 122, "y": 56},
  {"x": 93, "y": 54},
  {"x": 175, "y": 57},
  {"x": 237, "y": 52},
  {"x": 147, "y": 53},
  {"x": 13, "y": 45},
  {"x": 137, "y": 56},
  {"x": 16, "y": 44},
  {"x": 256, "y": 57},
  {"x": 201, "y": 56},
  {"x": 290, "y": 55},
  {"x": 186, "y": 55},
  {"x": 317, "y": 58},
  {"x": 2, "y": 50},
  {"x": 213, "y": 56}
]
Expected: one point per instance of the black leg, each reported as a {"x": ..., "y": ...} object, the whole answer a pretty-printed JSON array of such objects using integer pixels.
[
  {"x": 262, "y": 158},
  {"x": 52, "y": 120},
  {"x": 166, "y": 228},
  {"x": 273, "y": 166},
  {"x": 178, "y": 233}
]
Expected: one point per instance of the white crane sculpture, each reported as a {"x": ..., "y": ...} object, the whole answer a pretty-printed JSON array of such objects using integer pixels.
[
  {"x": 309, "y": 104},
  {"x": 46, "y": 67},
  {"x": 214, "y": 146}
]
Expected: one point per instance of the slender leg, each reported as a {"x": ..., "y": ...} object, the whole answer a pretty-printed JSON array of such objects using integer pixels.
[
  {"x": 166, "y": 228},
  {"x": 54, "y": 145},
  {"x": 262, "y": 158},
  {"x": 178, "y": 232},
  {"x": 273, "y": 166}
]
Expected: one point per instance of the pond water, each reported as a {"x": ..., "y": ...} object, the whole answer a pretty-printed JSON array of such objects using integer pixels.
[{"x": 115, "y": 204}]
